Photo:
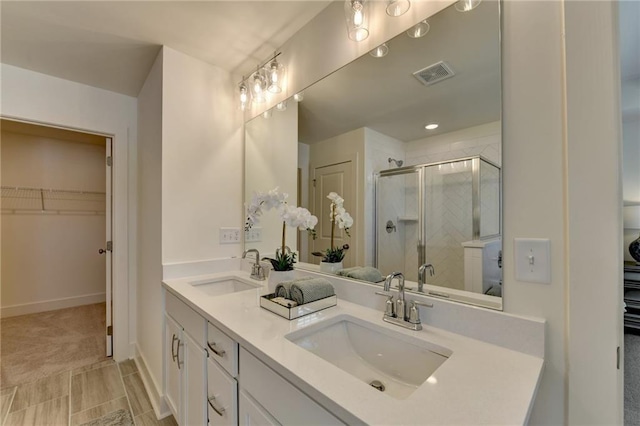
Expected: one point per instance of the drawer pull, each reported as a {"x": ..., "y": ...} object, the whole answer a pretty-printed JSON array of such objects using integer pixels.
[
  {"x": 219, "y": 410},
  {"x": 212, "y": 346},
  {"x": 178, "y": 354},
  {"x": 173, "y": 352}
]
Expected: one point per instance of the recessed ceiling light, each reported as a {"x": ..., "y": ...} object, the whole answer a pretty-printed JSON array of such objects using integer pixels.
[
  {"x": 431, "y": 126},
  {"x": 380, "y": 51}
]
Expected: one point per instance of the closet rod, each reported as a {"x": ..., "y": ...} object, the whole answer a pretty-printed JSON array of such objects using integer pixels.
[{"x": 73, "y": 191}]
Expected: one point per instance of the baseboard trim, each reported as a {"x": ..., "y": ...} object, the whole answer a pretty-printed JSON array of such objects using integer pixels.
[
  {"x": 51, "y": 305},
  {"x": 160, "y": 406}
]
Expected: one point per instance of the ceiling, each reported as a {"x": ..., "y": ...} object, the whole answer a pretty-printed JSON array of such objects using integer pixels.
[{"x": 113, "y": 44}]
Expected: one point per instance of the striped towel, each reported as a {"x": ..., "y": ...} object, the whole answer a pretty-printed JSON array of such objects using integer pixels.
[{"x": 310, "y": 290}]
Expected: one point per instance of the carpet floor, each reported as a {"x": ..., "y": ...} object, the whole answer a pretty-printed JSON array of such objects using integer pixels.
[
  {"x": 631, "y": 379},
  {"x": 39, "y": 345}
]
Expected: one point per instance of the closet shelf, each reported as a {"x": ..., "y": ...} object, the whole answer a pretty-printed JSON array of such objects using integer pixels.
[{"x": 25, "y": 200}]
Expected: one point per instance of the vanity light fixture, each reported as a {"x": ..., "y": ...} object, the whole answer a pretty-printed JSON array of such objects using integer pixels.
[
  {"x": 275, "y": 72},
  {"x": 357, "y": 15},
  {"x": 431, "y": 126},
  {"x": 298, "y": 97},
  {"x": 258, "y": 83},
  {"x": 281, "y": 106},
  {"x": 380, "y": 51},
  {"x": 397, "y": 8},
  {"x": 419, "y": 30},
  {"x": 467, "y": 5}
]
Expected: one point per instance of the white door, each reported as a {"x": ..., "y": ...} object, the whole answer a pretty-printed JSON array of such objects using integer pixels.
[
  {"x": 333, "y": 178},
  {"x": 108, "y": 250}
]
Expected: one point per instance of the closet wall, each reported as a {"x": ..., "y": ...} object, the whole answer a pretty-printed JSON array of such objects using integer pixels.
[{"x": 50, "y": 258}]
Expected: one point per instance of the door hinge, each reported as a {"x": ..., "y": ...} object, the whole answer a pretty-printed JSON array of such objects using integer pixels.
[
  {"x": 314, "y": 183},
  {"x": 109, "y": 161},
  {"x": 618, "y": 357},
  {"x": 109, "y": 246},
  {"x": 110, "y": 330}
]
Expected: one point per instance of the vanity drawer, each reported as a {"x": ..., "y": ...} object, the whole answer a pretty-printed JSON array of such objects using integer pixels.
[
  {"x": 222, "y": 396},
  {"x": 192, "y": 322},
  {"x": 223, "y": 349},
  {"x": 281, "y": 399}
]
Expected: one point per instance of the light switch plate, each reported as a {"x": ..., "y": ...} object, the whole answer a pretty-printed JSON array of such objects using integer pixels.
[
  {"x": 230, "y": 235},
  {"x": 533, "y": 260}
]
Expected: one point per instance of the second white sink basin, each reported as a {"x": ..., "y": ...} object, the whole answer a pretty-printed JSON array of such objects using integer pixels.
[
  {"x": 220, "y": 286},
  {"x": 374, "y": 354}
]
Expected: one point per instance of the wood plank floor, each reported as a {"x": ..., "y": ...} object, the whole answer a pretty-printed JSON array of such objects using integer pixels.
[
  {"x": 100, "y": 394},
  {"x": 54, "y": 372}
]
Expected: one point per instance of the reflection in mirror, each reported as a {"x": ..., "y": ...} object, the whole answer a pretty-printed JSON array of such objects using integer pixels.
[{"x": 438, "y": 186}]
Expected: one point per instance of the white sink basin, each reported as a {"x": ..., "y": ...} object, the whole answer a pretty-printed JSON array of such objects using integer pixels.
[
  {"x": 373, "y": 353},
  {"x": 220, "y": 286}
]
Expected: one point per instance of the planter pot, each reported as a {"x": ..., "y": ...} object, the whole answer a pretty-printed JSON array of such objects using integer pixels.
[
  {"x": 276, "y": 277},
  {"x": 330, "y": 268},
  {"x": 634, "y": 249}
]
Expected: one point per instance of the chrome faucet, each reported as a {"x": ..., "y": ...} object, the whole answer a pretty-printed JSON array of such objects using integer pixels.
[
  {"x": 421, "y": 275},
  {"x": 257, "y": 271},
  {"x": 397, "y": 313}
]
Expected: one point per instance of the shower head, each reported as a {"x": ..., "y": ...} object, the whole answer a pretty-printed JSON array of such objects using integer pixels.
[{"x": 398, "y": 162}]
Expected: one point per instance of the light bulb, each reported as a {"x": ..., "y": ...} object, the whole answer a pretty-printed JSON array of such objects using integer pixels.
[
  {"x": 419, "y": 30},
  {"x": 358, "y": 17},
  {"x": 298, "y": 97},
  {"x": 281, "y": 106},
  {"x": 431, "y": 126}
]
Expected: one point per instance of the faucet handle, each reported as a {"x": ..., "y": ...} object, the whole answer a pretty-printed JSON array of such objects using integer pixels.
[
  {"x": 414, "y": 313},
  {"x": 389, "y": 310}
]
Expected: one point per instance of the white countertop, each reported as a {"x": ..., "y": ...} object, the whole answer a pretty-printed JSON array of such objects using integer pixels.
[{"x": 480, "y": 383}]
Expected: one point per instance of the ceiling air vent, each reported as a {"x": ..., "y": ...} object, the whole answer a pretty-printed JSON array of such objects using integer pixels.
[{"x": 434, "y": 73}]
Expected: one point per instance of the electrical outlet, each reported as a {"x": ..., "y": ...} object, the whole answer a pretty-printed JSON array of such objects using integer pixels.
[
  {"x": 253, "y": 235},
  {"x": 230, "y": 236}
]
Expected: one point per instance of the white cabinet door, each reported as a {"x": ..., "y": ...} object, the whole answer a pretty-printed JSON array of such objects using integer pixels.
[
  {"x": 173, "y": 352},
  {"x": 251, "y": 413},
  {"x": 195, "y": 389}
]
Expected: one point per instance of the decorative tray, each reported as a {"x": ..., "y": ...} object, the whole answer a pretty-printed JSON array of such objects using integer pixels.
[{"x": 297, "y": 311}]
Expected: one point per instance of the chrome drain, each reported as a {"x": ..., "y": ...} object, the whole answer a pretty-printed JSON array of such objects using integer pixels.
[{"x": 378, "y": 385}]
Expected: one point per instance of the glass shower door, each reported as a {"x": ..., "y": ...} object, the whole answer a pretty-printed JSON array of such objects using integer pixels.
[
  {"x": 399, "y": 246},
  {"x": 448, "y": 220}
]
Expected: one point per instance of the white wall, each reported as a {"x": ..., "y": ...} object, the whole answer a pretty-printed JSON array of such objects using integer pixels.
[
  {"x": 303, "y": 164},
  {"x": 378, "y": 148},
  {"x": 271, "y": 148},
  {"x": 36, "y": 97},
  {"x": 551, "y": 191},
  {"x": 201, "y": 159},
  {"x": 51, "y": 261},
  {"x": 149, "y": 301},
  {"x": 190, "y": 184}
]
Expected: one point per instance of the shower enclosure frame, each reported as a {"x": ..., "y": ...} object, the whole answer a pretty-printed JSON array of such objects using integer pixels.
[{"x": 420, "y": 170}]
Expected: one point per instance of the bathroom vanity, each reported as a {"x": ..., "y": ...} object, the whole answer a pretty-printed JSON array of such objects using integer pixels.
[{"x": 229, "y": 361}]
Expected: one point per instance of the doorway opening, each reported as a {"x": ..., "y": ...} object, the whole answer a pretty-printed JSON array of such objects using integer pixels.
[{"x": 56, "y": 204}]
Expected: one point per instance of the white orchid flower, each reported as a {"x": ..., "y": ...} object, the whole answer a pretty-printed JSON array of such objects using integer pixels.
[{"x": 335, "y": 199}]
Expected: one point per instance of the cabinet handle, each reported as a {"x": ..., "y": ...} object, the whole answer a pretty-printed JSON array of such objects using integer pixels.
[
  {"x": 173, "y": 352},
  {"x": 212, "y": 346},
  {"x": 178, "y": 354},
  {"x": 219, "y": 410}
]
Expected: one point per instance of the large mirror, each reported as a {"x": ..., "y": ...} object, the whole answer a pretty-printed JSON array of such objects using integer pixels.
[{"x": 419, "y": 196}]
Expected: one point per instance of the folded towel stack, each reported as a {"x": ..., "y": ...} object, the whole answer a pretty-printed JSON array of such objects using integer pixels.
[
  {"x": 363, "y": 273},
  {"x": 305, "y": 290}
]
